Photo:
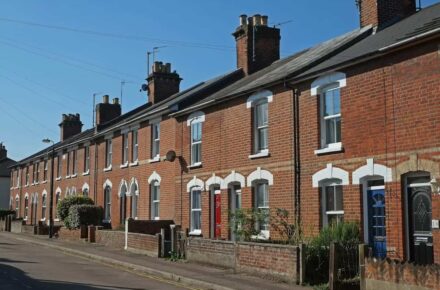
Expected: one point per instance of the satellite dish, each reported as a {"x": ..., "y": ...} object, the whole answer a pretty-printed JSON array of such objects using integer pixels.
[
  {"x": 144, "y": 87},
  {"x": 171, "y": 156}
]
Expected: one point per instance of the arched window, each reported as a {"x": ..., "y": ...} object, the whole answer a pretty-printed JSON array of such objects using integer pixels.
[
  {"x": 17, "y": 206},
  {"x": 85, "y": 189},
  {"x": 43, "y": 205},
  {"x": 107, "y": 203},
  {"x": 26, "y": 206},
  {"x": 134, "y": 195},
  {"x": 122, "y": 202},
  {"x": 196, "y": 210},
  {"x": 155, "y": 199}
]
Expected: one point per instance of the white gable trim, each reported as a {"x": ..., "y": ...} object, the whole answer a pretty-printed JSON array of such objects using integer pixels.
[
  {"x": 260, "y": 175},
  {"x": 195, "y": 182},
  {"x": 26, "y": 195},
  {"x": 234, "y": 177},
  {"x": 107, "y": 183},
  {"x": 330, "y": 172},
  {"x": 196, "y": 117},
  {"x": 58, "y": 190},
  {"x": 154, "y": 176},
  {"x": 44, "y": 193},
  {"x": 371, "y": 169},
  {"x": 17, "y": 196},
  {"x": 214, "y": 180},
  {"x": 260, "y": 95},
  {"x": 85, "y": 186},
  {"x": 334, "y": 77}
]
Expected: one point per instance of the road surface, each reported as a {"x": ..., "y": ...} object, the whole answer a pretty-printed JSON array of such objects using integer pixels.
[{"x": 28, "y": 266}]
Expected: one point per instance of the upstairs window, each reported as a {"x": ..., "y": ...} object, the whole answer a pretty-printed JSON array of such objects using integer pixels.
[
  {"x": 74, "y": 161},
  {"x": 261, "y": 126},
  {"x": 18, "y": 178},
  {"x": 195, "y": 121},
  {"x": 135, "y": 146},
  {"x": 27, "y": 175},
  {"x": 108, "y": 153},
  {"x": 59, "y": 168},
  {"x": 45, "y": 169},
  {"x": 86, "y": 159},
  {"x": 68, "y": 164},
  {"x": 330, "y": 116},
  {"x": 125, "y": 148},
  {"x": 34, "y": 171},
  {"x": 37, "y": 172},
  {"x": 155, "y": 140}
]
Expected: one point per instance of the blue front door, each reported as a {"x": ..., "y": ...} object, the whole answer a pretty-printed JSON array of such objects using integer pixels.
[{"x": 376, "y": 222}]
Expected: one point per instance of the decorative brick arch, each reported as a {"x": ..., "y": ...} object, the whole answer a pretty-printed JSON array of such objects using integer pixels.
[
  {"x": 372, "y": 169},
  {"x": 214, "y": 179},
  {"x": 121, "y": 184},
  {"x": 107, "y": 183},
  {"x": 330, "y": 172},
  {"x": 260, "y": 174},
  {"x": 264, "y": 94},
  {"x": 415, "y": 164},
  {"x": 234, "y": 177},
  {"x": 154, "y": 176},
  {"x": 193, "y": 183},
  {"x": 331, "y": 78},
  {"x": 133, "y": 182}
]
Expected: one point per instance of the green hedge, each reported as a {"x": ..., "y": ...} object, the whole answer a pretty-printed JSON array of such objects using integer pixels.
[
  {"x": 83, "y": 214},
  {"x": 6, "y": 212},
  {"x": 66, "y": 203}
]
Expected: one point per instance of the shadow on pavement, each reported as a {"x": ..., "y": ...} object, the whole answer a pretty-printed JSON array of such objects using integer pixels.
[{"x": 12, "y": 278}]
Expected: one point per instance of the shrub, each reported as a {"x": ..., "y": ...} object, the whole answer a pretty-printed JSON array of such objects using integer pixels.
[
  {"x": 347, "y": 235},
  {"x": 6, "y": 212},
  {"x": 244, "y": 222},
  {"x": 290, "y": 233},
  {"x": 66, "y": 203},
  {"x": 83, "y": 214}
]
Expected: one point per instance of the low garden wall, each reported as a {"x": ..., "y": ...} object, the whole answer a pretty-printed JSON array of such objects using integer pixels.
[
  {"x": 278, "y": 261},
  {"x": 16, "y": 226},
  {"x": 29, "y": 229},
  {"x": 72, "y": 235},
  {"x": 109, "y": 238},
  {"x": 389, "y": 274}
]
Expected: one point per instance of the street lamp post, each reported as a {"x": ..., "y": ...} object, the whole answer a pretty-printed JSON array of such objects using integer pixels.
[{"x": 47, "y": 140}]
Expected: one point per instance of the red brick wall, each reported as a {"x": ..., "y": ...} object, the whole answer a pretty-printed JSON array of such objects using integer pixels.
[
  {"x": 111, "y": 239},
  {"x": 389, "y": 113},
  {"x": 147, "y": 244},
  {"x": 219, "y": 253},
  {"x": 69, "y": 235}
]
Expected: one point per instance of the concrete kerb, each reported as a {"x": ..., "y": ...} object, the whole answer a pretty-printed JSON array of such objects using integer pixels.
[{"x": 131, "y": 267}]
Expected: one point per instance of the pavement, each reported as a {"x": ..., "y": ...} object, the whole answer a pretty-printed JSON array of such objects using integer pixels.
[{"x": 179, "y": 274}]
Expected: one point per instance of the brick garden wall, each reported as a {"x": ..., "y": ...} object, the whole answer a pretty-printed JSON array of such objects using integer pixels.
[
  {"x": 72, "y": 235},
  {"x": 278, "y": 261},
  {"x": 144, "y": 244},
  {"x": 388, "y": 274},
  {"x": 112, "y": 239}
]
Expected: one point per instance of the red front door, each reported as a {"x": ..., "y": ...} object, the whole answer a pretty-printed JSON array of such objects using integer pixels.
[{"x": 217, "y": 214}]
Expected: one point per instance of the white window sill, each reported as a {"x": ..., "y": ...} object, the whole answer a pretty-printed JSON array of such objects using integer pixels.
[
  {"x": 86, "y": 173},
  {"x": 68, "y": 176},
  {"x": 58, "y": 178},
  {"x": 195, "y": 165},
  {"x": 263, "y": 235},
  {"x": 195, "y": 233},
  {"x": 74, "y": 175},
  {"x": 106, "y": 221},
  {"x": 25, "y": 219},
  {"x": 125, "y": 165},
  {"x": 155, "y": 159},
  {"x": 44, "y": 182},
  {"x": 335, "y": 147},
  {"x": 42, "y": 220},
  {"x": 108, "y": 168},
  {"x": 135, "y": 163},
  {"x": 56, "y": 220},
  {"x": 261, "y": 154},
  {"x": 157, "y": 218}
]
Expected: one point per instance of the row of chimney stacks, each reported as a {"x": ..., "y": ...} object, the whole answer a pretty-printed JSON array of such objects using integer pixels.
[{"x": 257, "y": 46}]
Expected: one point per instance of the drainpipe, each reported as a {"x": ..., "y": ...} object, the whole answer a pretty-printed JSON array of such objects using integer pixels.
[{"x": 296, "y": 152}]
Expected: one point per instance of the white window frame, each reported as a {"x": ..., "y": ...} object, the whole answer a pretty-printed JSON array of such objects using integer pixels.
[
  {"x": 324, "y": 144},
  {"x": 43, "y": 205},
  {"x": 59, "y": 167},
  {"x": 155, "y": 186},
  {"x": 45, "y": 169},
  {"x": 57, "y": 201},
  {"x": 195, "y": 118},
  {"x": 263, "y": 233},
  {"x": 155, "y": 141},
  {"x": 134, "y": 147},
  {"x": 125, "y": 149},
  {"x": 86, "y": 169},
  {"x": 193, "y": 210},
  {"x": 133, "y": 192},
  {"x": 264, "y": 96},
  {"x": 27, "y": 176},
  {"x": 257, "y": 129},
  {"x": 107, "y": 203},
  {"x": 37, "y": 172},
  {"x": 108, "y": 154},
  {"x": 68, "y": 165},
  {"x": 74, "y": 163},
  {"x": 324, "y": 212},
  {"x": 18, "y": 177},
  {"x": 17, "y": 206},
  {"x": 26, "y": 207},
  {"x": 334, "y": 80},
  {"x": 196, "y": 160}
]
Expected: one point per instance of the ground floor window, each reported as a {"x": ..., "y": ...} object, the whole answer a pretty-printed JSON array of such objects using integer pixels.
[
  {"x": 17, "y": 207},
  {"x": 155, "y": 200},
  {"x": 26, "y": 207},
  {"x": 196, "y": 210},
  {"x": 262, "y": 205},
  {"x": 107, "y": 203},
  {"x": 43, "y": 206},
  {"x": 57, "y": 200},
  {"x": 332, "y": 204}
]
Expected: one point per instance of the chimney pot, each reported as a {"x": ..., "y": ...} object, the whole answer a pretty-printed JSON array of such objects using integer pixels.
[
  {"x": 264, "y": 20},
  {"x": 243, "y": 18},
  {"x": 105, "y": 99},
  {"x": 115, "y": 101},
  {"x": 257, "y": 19}
]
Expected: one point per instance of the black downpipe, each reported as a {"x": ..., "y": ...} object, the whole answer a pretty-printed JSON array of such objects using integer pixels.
[{"x": 296, "y": 153}]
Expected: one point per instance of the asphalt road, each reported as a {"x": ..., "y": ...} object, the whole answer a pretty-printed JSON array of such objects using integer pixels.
[{"x": 27, "y": 266}]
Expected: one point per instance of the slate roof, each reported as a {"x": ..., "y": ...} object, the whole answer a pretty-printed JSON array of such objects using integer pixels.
[
  {"x": 419, "y": 24},
  {"x": 5, "y": 165}
]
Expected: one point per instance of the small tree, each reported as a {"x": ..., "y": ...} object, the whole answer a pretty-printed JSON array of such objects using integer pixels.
[
  {"x": 83, "y": 215},
  {"x": 289, "y": 233},
  {"x": 67, "y": 202}
]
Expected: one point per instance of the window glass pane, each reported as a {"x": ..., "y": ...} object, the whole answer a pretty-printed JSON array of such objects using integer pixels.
[
  {"x": 196, "y": 131},
  {"x": 156, "y": 209},
  {"x": 262, "y": 195},
  {"x": 339, "y": 198},
  {"x": 262, "y": 114},
  {"x": 330, "y": 131},
  {"x": 338, "y": 129},
  {"x": 196, "y": 202},
  {"x": 336, "y": 101},
  {"x": 262, "y": 138},
  {"x": 196, "y": 223},
  {"x": 330, "y": 198},
  {"x": 196, "y": 153},
  {"x": 328, "y": 108}
]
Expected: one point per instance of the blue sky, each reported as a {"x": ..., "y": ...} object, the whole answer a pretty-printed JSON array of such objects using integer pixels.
[{"x": 45, "y": 71}]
